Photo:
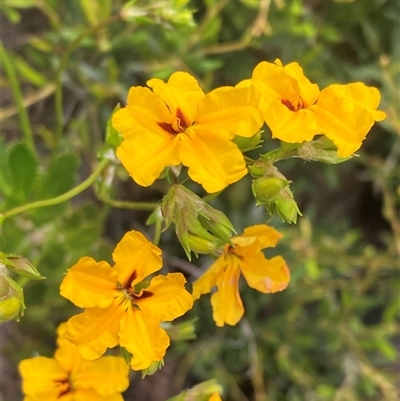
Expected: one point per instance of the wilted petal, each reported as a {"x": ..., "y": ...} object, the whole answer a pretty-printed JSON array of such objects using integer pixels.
[
  {"x": 144, "y": 112},
  {"x": 143, "y": 337},
  {"x": 168, "y": 299},
  {"x": 226, "y": 302},
  {"x": 89, "y": 283},
  {"x": 230, "y": 111},
  {"x": 181, "y": 92},
  {"x": 364, "y": 96},
  {"x": 208, "y": 279},
  {"x": 135, "y": 258},
  {"x": 255, "y": 238},
  {"x": 265, "y": 275},
  {"x": 344, "y": 122},
  {"x": 107, "y": 375},
  {"x": 146, "y": 155},
  {"x": 213, "y": 162},
  {"x": 43, "y": 376}
]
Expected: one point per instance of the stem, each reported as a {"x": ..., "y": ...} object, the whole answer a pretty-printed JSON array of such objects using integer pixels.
[
  {"x": 157, "y": 232},
  {"x": 61, "y": 198},
  {"x": 60, "y": 69},
  {"x": 18, "y": 97},
  {"x": 130, "y": 205}
]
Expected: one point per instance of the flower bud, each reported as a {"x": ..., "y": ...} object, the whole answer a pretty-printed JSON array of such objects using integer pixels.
[
  {"x": 284, "y": 206},
  {"x": 199, "y": 227},
  {"x": 11, "y": 301},
  {"x": 180, "y": 331},
  {"x": 247, "y": 144},
  {"x": 23, "y": 267},
  {"x": 267, "y": 189}
]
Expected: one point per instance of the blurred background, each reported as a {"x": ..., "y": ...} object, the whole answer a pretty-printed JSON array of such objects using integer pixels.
[{"x": 333, "y": 335}]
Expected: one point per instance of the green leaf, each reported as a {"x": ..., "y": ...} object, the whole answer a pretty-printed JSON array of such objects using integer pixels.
[
  {"x": 113, "y": 137},
  {"x": 22, "y": 168}
]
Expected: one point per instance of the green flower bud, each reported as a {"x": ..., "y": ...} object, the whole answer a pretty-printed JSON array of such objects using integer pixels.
[
  {"x": 285, "y": 206},
  {"x": 11, "y": 301},
  {"x": 267, "y": 189},
  {"x": 180, "y": 331},
  {"x": 199, "y": 227},
  {"x": 247, "y": 144},
  {"x": 23, "y": 267}
]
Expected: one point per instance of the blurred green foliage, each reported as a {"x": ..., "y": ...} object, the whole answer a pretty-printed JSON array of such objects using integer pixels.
[{"x": 333, "y": 335}]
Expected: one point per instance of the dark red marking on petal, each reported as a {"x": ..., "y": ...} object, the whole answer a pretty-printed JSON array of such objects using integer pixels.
[{"x": 167, "y": 127}]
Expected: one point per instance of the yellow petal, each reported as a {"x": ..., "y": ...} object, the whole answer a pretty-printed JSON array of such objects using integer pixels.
[
  {"x": 107, "y": 375},
  {"x": 213, "y": 162},
  {"x": 144, "y": 113},
  {"x": 226, "y": 303},
  {"x": 265, "y": 275},
  {"x": 289, "y": 126},
  {"x": 44, "y": 376},
  {"x": 308, "y": 92},
  {"x": 230, "y": 111},
  {"x": 143, "y": 337},
  {"x": 208, "y": 279},
  {"x": 89, "y": 283},
  {"x": 135, "y": 258},
  {"x": 364, "y": 96},
  {"x": 180, "y": 92},
  {"x": 93, "y": 395},
  {"x": 146, "y": 155},
  {"x": 344, "y": 122},
  {"x": 215, "y": 397},
  {"x": 169, "y": 298},
  {"x": 272, "y": 83},
  {"x": 68, "y": 356},
  {"x": 95, "y": 330},
  {"x": 255, "y": 238}
]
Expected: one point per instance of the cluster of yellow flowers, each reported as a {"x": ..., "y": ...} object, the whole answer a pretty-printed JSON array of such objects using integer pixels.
[{"x": 175, "y": 124}]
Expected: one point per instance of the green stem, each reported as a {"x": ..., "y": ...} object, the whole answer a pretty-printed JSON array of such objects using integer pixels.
[
  {"x": 130, "y": 205},
  {"x": 18, "y": 97},
  {"x": 61, "y": 198},
  {"x": 61, "y": 67}
]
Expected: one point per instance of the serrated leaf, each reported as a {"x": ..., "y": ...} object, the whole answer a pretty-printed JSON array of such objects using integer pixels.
[{"x": 22, "y": 169}]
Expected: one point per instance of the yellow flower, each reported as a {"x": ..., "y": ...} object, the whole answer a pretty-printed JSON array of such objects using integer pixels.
[
  {"x": 177, "y": 123},
  {"x": 295, "y": 110},
  {"x": 122, "y": 308},
  {"x": 264, "y": 275},
  {"x": 68, "y": 377},
  {"x": 215, "y": 397}
]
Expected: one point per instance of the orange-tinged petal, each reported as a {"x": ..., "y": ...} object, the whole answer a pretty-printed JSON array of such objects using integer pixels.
[
  {"x": 226, "y": 302},
  {"x": 265, "y": 275},
  {"x": 215, "y": 397},
  {"x": 208, "y": 279},
  {"x": 107, "y": 375},
  {"x": 255, "y": 238},
  {"x": 92, "y": 395},
  {"x": 308, "y": 92},
  {"x": 89, "y": 283},
  {"x": 180, "y": 92},
  {"x": 344, "y": 122},
  {"x": 366, "y": 97},
  {"x": 144, "y": 112},
  {"x": 146, "y": 155},
  {"x": 135, "y": 258},
  {"x": 42, "y": 375},
  {"x": 213, "y": 162},
  {"x": 169, "y": 298},
  {"x": 290, "y": 126},
  {"x": 230, "y": 111},
  {"x": 143, "y": 337},
  {"x": 95, "y": 330}
]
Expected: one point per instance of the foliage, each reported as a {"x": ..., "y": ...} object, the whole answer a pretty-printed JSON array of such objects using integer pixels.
[{"x": 66, "y": 65}]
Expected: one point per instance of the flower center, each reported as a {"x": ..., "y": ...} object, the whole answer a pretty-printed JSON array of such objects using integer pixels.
[
  {"x": 137, "y": 292},
  {"x": 294, "y": 106},
  {"x": 178, "y": 126},
  {"x": 66, "y": 387}
]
